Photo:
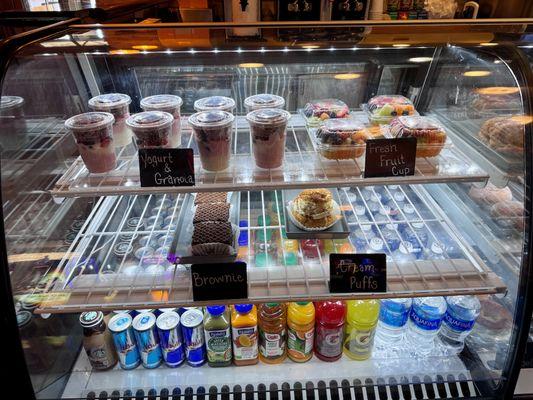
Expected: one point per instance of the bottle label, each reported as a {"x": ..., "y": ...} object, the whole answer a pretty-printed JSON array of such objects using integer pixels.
[
  {"x": 272, "y": 344},
  {"x": 456, "y": 324},
  {"x": 218, "y": 344},
  {"x": 245, "y": 343},
  {"x": 328, "y": 342},
  {"x": 359, "y": 342},
  {"x": 393, "y": 318},
  {"x": 300, "y": 343},
  {"x": 426, "y": 324}
]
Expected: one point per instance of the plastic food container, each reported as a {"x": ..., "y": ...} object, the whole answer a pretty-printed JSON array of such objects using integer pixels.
[
  {"x": 318, "y": 111},
  {"x": 430, "y": 134},
  {"x": 215, "y": 103},
  {"x": 342, "y": 139},
  {"x": 152, "y": 129},
  {"x": 118, "y": 105},
  {"x": 212, "y": 132},
  {"x": 12, "y": 120},
  {"x": 263, "y": 100},
  {"x": 268, "y": 127},
  {"x": 382, "y": 110},
  {"x": 492, "y": 101},
  {"x": 170, "y": 104},
  {"x": 93, "y": 132}
]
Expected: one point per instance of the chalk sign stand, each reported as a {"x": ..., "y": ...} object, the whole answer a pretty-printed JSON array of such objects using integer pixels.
[{"x": 166, "y": 167}]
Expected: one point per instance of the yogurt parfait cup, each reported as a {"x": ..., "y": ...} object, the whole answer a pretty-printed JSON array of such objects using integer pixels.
[
  {"x": 268, "y": 127},
  {"x": 170, "y": 104},
  {"x": 93, "y": 132},
  {"x": 212, "y": 132},
  {"x": 152, "y": 129},
  {"x": 263, "y": 100},
  {"x": 117, "y": 104},
  {"x": 211, "y": 103}
]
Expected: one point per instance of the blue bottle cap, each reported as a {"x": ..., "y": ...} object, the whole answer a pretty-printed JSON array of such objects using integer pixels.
[
  {"x": 243, "y": 223},
  {"x": 216, "y": 310},
  {"x": 243, "y": 308}
]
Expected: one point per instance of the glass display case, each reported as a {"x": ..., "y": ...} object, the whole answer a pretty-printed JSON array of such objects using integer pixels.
[{"x": 280, "y": 183}]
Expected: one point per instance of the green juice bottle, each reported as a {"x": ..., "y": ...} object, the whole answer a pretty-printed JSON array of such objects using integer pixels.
[{"x": 217, "y": 336}]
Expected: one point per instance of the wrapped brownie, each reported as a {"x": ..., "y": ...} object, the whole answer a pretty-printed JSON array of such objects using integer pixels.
[
  {"x": 210, "y": 197},
  {"x": 211, "y": 212},
  {"x": 212, "y": 238}
]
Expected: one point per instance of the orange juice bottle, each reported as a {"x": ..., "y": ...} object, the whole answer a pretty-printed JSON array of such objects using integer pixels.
[
  {"x": 244, "y": 334},
  {"x": 301, "y": 332},
  {"x": 272, "y": 332}
]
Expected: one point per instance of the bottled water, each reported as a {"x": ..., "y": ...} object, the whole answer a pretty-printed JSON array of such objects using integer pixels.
[
  {"x": 367, "y": 192},
  {"x": 398, "y": 199},
  {"x": 425, "y": 319},
  {"x": 417, "y": 235},
  {"x": 374, "y": 204},
  {"x": 360, "y": 210},
  {"x": 393, "y": 316},
  {"x": 404, "y": 254},
  {"x": 390, "y": 236},
  {"x": 383, "y": 215},
  {"x": 460, "y": 317},
  {"x": 361, "y": 236},
  {"x": 436, "y": 251},
  {"x": 408, "y": 213},
  {"x": 376, "y": 245}
]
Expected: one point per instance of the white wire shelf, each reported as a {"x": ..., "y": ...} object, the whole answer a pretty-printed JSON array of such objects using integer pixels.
[
  {"x": 93, "y": 276},
  {"x": 303, "y": 167}
]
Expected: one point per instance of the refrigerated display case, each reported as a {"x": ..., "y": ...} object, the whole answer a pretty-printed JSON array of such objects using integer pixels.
[{"x": 77, "y": 241}]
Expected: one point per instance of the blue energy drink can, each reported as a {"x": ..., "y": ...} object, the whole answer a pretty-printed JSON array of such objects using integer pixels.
[
  {"x": 193, "y": 337},
  {"x": 147, "y": 340},
  {"x": 125, "y": 344},
  {"x": 168, "y": 327}
]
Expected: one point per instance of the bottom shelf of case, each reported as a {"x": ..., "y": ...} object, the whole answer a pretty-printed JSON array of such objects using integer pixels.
[{"x": 415, "y": 378}]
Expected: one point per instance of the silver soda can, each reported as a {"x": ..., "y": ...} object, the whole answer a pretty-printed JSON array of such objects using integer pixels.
[
  {"x": 192, "y": 329},
  {"x": 125, "y": 344},
  {"x": 147, "y": 340},
  {"x": 168, "y": 326}
]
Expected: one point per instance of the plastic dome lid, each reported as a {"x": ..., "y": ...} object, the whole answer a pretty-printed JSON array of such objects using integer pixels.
[
  {"x": 91, "y": 318},
  {"x": 243, "y": 308},
  {"x": 210, "y": 119},
  {"x": 109, "y": 101},
  {"x": 147, "y": 120},
  {"x": 89, "y": 121},
  {"x": 264, "y": 100},
  {"x": 342, "y": 124},
  {"x": 268, "y": 116},
  {"x": 161, "y": 102},
  {"x": 419, "y": 122},
  {"x": 7, "y": 102},
  {"x": 216, "y": 309},
  {"x": 214, "y": 103},
  {"x": 120, "y": 322}
]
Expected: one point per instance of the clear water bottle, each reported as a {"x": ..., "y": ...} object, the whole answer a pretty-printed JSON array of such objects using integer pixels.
[
  {"x": 404, "y": 253},
  {"x": 425, "y": 319},
  {"x": 393, "y": 316},
  {"x": 367, "y": 192},
  {"x": 436, "y": 251},
  {"x": 361, "y": 236},
  {"x": 460, "y": 317},
  {"x": 360, "y": 210},
  {"x": 408, "y": 213},
  {"x": 399, "y": 199},
  {"x": 374, "y": 203},
  {"x": 376, "y": 245},
  {"x": 390, "y": 236},
  {"x": 418, "y": 239},
  {"x": 383, "y": 215}
]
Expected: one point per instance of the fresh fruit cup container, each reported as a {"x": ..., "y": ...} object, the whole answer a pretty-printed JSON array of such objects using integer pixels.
[
  {"x": 430, "y": 134},
  {"x": 318, "y": 111},
  {"x": 152, "y": 129},
  {"x": 268, "y": 127},
  {"x": 342, "y": 139},
  {"x": 117, "y": 104},
  {"x": 93, "y": 132},
  {"x": 263, "y": 100},
  {"x": 170, "y": 104},
  {"x": 381, "y": 110},
  {"x": 211, "y": 103},
  {"x": 212, "y": 132}
]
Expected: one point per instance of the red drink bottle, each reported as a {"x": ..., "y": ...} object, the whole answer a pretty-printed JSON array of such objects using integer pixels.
[{"x": 330, "y": 317}]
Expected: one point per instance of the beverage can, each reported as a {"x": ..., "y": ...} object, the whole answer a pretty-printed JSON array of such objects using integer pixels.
[
  {"x": 147, "y": 341},
  {"x": 168, "y": 327},
  {"x": 121, "y": 329},
  {"x": 193, "y": 337}
]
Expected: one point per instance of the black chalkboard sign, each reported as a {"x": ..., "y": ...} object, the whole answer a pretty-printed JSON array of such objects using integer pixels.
[
  {"x": 166, "y": 167},
  {"x": 390, "y": 157},
  {"x": 223, "y": 281},
  {"x": 357, "y": 273}
]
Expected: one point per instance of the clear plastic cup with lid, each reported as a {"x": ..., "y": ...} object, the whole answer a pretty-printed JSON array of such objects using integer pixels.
[
  {"x": 12, "y": 120},
  {"x": 268, "y": 127},
  {"x": 118, "y": 105},
  {"x": 263, "y": 100},
  {"x": 93, "y": 132},
  {"x": 212, "y": 132},
  {"x": 152, "y": 129},
  {"x": 170, "y": 104},
  {"x": 221, "y": 103}
]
